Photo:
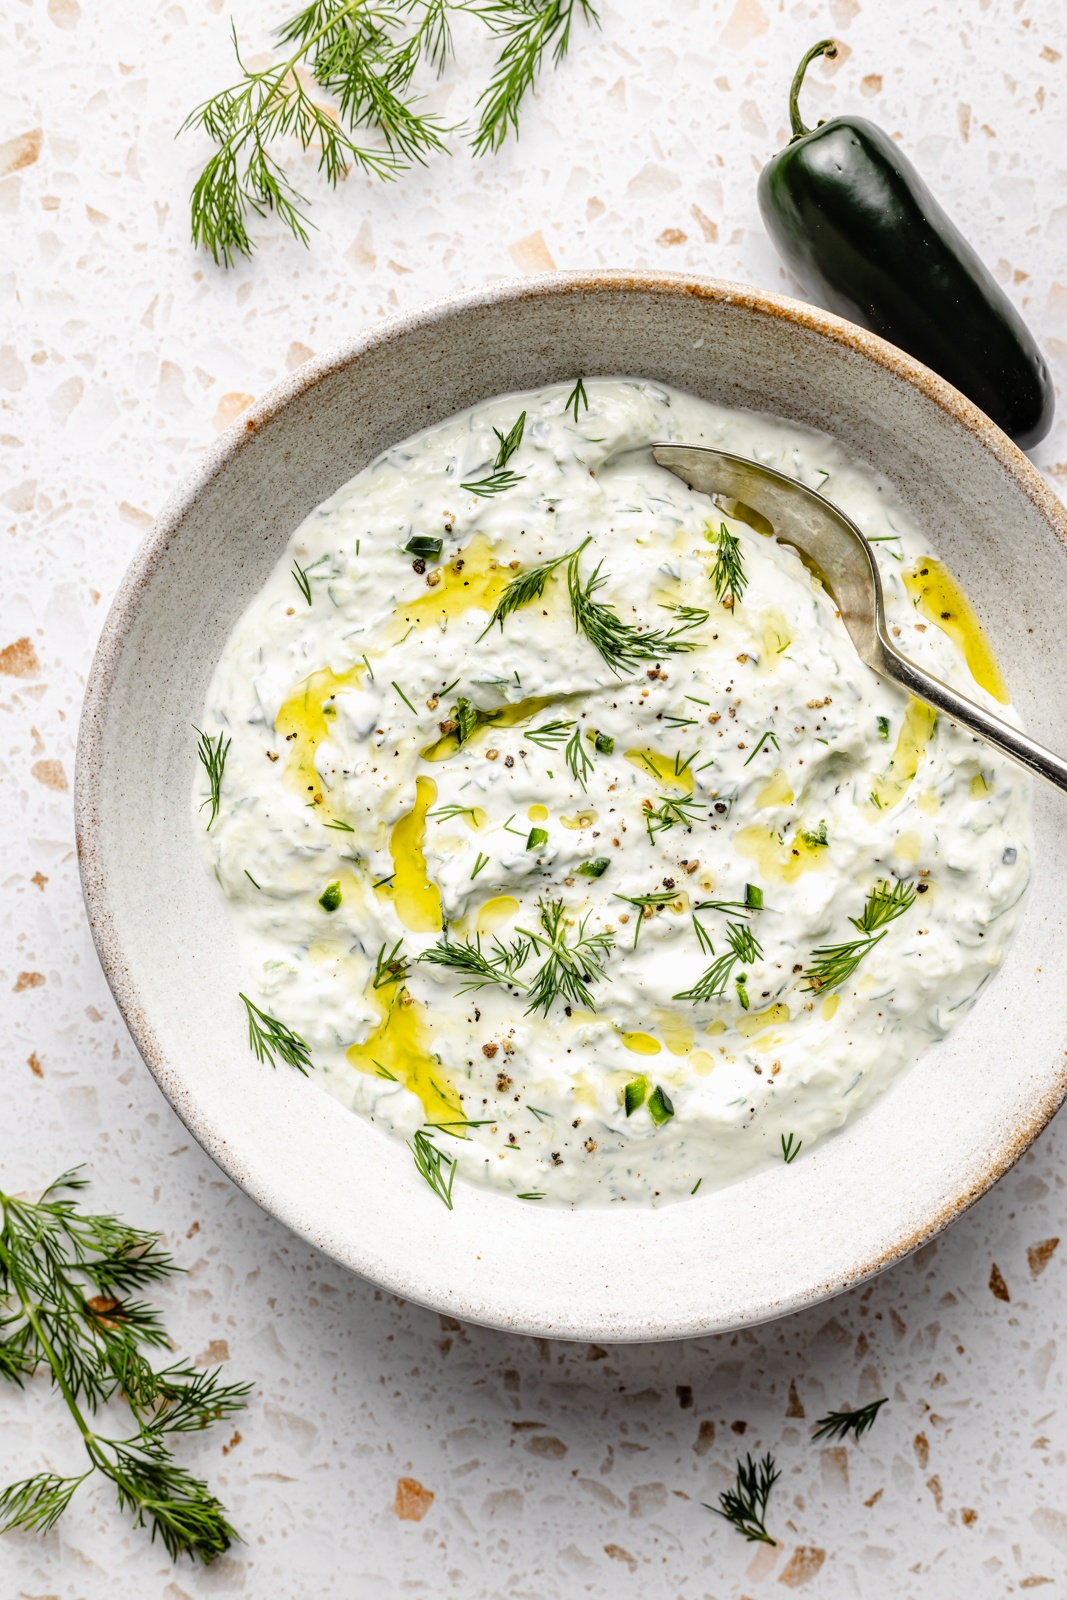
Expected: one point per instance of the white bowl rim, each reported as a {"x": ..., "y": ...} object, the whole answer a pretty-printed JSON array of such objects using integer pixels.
[{"x": 88, "y": 774}]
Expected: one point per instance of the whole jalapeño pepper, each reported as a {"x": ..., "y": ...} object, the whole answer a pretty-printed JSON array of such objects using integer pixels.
[{"x": 854, "y": 221}]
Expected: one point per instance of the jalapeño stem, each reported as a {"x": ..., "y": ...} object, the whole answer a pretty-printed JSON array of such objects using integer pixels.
[{"x": 825, "y": 47}]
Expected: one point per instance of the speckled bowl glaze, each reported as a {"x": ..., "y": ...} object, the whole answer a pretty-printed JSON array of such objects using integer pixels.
[{"x": 777, "y": 1241}]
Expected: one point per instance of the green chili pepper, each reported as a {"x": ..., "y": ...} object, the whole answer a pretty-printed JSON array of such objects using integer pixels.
[{"x": 854, "y": 221}]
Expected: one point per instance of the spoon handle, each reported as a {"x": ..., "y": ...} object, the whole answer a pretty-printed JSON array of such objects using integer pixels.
[{"x": 1012, "y": 741}]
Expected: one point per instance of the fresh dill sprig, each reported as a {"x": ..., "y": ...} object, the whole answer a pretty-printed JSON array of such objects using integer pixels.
[
  {"x": 303, "y": 582},
  {"x": 391, "y": 968},
  {"x": 66, "y": 1281},
  {"x": 501, "y": 477},
  {"x": 791, "y": 1148},
  {"x": 365, "y": 54},
  {"x": 436, "y": 1166},
  {"x": 480, "y": 862},
  {"x": 839, "y": 1424},
  {"x": 568, "y": 968},
  {"x": 268, "y": 1037},
  {"x": 526, "y": 587},
  {"x": 619, "y": 643},
  {"x": 647, "y": 905},
  {"x": 527, "y": 28},
  {"x": 350, "y": 55},
  {"x": 744, "y": 949},
  {"x": 477, "y": 967},
  {"x": 745, "y": 1505},
  {"x": 576, "y": 398},
  {"x": 549, "y": 736},
  {"x": 578, "y": 758},
  {"x": 212, "y": 752},
  {"x": 728, "y": 574},
  {"x": 833, "y": 964},
  {"x": 672, "y": 811}
]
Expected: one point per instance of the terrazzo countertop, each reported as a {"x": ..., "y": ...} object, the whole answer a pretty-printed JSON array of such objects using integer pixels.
[{"x": 388, "y": 1451}]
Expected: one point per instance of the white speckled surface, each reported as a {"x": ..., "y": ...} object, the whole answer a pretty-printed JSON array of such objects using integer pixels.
[{"x": 556, "y": 1470}]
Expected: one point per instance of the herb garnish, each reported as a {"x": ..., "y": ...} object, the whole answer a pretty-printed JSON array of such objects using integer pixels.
[
  {"x": 501, "y": 477},
  {"x": 567, "y": 968},
  {"x": 269, "y": 1037},
  {"x": 212, "y": 753},
  {"x": 366, "y": 58},
  {"x": 436, "y": 1166},
  {"x": 619, "y": 643},
  {"x": 728, "y": 574},
  {"x": 303, "y": 582},
  {"x": 648, "y": 904},
  {"x": 744, "y": 947},
  {"x": 528, "y": 27},
  {"x": 832, "y": 964},
  {"x": 577, "y": 758},
  {"x": 764, "y": 738},
  {"x": 391, "y": 968},
  {"x": 671, "y": 812},
  {"x": 65, "y": 1279},
  {"x": 478, "y": 968},
  {"x": 552, "y": 734},
  {"x": 526, "y": 587},
  {"x": 745, "y": 1505},
  {"x": 576, "y": 398},
  {"x": 838, "y": 1424},
  {"x": 791, "y": 1147}
]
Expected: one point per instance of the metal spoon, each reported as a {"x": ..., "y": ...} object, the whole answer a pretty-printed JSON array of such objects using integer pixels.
[{"x": 830, "y": 541}]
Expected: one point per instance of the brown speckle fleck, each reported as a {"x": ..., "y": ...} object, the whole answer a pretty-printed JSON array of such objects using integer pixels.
[
  {"x": 19, "y": 660},
  {"x": 997, "y": 1286},
  {"x": 705, "y": 1437},
  {"x": 51, "y": 774},
  {"x": 34, "y": 1064},
  {"x": 28, "y": 980},
  {"x": 802, "y": 1565},
  {"x": 412, "y": 1500},
  {"x": 617, "y": 1553},
  {"x": 546, "y": 1444},
  {"x": 1039, "y": 1255}
]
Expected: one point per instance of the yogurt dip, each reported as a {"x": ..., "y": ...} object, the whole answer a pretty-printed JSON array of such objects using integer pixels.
[{"x": 561, "y": 823}]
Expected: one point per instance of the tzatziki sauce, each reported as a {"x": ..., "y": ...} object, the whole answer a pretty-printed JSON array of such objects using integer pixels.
[{"x": 562, "y": 825}]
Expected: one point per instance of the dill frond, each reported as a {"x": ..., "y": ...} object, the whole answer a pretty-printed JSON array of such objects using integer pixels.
[
  {"x": 568, "y": 968},
  {"x": 528, "y": 28},
  {"x": 526, "y": 587},
  {"x": 619, "y": 643},
  {"x": 744, "y": 948},
  {"x": 839, "y": 1424},
  {"x": 576, "y": 398},
  {"x": 66, "y": 1284},
  {"x": 268, "y": 1037},
  {"x": 477, "y": 967},
  {"x": 745, "y": 1505},
  {"x": 834, "y": 964},
  {"x": 437, "y": 1167},
  {"x": 212, "y": 753},
  {"x": 728, "y": 574}
]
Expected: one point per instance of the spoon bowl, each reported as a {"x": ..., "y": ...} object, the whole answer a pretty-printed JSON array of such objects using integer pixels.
[{"x": 831, "y": 544}]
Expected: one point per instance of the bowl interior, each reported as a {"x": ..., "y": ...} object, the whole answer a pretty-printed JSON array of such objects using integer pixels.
[{"x": 933, "y": 1143}]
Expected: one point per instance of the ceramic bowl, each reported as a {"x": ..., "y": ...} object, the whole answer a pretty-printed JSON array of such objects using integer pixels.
[{"x": 777, "y": 1241}]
